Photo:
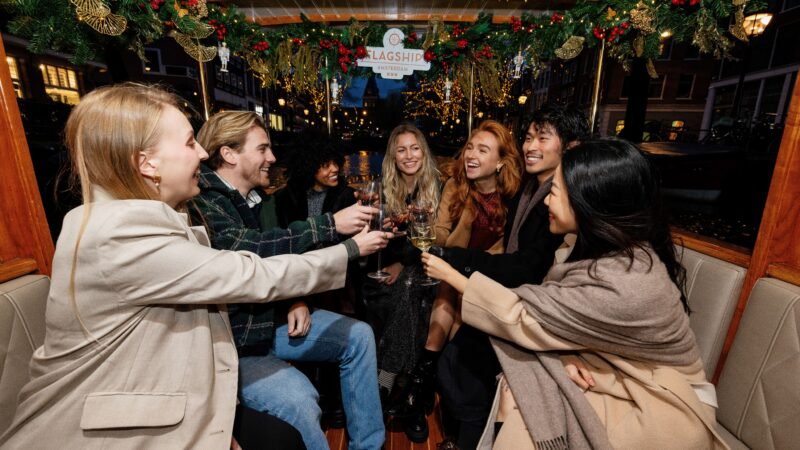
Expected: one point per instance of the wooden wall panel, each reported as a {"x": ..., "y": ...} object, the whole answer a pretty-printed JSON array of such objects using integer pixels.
[
  {"x": 777, "y": 250},
  {"x": 25, "y": 243}
]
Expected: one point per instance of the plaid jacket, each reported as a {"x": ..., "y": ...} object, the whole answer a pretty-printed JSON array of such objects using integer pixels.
[{"x": 232, "y": 225}]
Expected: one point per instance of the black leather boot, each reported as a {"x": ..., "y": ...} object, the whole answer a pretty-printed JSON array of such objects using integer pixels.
[
  {"x": 418, "y": 395},
  {"x": 416, "y": 427}
]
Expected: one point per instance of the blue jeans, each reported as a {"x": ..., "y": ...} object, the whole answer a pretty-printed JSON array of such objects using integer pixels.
[{"x": 269, "y": 384}]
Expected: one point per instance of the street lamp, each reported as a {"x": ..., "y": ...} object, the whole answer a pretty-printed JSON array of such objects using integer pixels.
[{"x": 754, "y": 26}]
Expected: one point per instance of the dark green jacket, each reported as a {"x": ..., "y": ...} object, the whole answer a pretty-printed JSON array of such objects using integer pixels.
[{"x": 233, "y": 225}]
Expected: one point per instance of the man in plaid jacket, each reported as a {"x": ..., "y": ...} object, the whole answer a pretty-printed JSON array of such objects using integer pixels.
[{"x": 241, "y": 217}]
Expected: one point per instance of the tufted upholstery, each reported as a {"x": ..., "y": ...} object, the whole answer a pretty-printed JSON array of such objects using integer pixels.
[
  {"x": 759, "y": 391},
  {"x": 22, "y": 305},
  {"x": 712, "y": 288}
]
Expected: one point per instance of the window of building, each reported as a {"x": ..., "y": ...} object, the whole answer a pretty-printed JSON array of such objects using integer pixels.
[
  {"x": 655, "y": 88},
  {"x": 676, "y": 128},
  {"x": 275, "y": 122},
  {"x": 685, "y": 86},
  {"x": 666, "y": 49},
  {"x": 789, "y": 4},
  {"x": 619, "y": 126},
  {"x": 233, "y": 80},
  {"x": 786, "y": 49},
  {"x": 61, "y": 84},
  {"x": 153, "y": 63},
  {"x": 692, "y": 53},
  {"x": 16, "y": 80}
]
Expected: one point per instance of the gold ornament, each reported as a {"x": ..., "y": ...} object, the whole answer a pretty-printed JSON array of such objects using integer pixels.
[
  {"x": 200, "y": 10},
  {"x": 651, "y": 69},
  {"x": 434, "y": 32},
  {"x": 642, "y": 18},
  {"x": 611, "y": 14},
  {"x": 638, "y": 45},
  {"x": 193, "y": 47},
  {"x": 571, "y": 48},
  {"x": 737, "y": 27},
  {"x": 197, "y": 30},
  {"x": 708, "y": 39},
  {"x": 112, "y": 24},
  {"x": 181, "y": 11},
  {"x": 98, "y": 16}
]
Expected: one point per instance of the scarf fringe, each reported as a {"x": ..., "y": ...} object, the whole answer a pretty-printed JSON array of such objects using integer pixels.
[{"x": 559, "y": 443}]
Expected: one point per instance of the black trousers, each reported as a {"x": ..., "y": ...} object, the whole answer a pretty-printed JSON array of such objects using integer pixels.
[
  {"x": 467, "y": 374},
  {"x": 256, "y": 430}
]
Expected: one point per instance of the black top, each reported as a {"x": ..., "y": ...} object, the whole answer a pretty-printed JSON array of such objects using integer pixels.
[{"x": 528, "y": 265}]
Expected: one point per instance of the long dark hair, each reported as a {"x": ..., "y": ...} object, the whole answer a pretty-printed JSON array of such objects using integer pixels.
[{"x": 614, "y": 193}]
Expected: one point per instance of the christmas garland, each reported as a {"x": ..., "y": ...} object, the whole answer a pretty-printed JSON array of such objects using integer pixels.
[{"x": 301, "y": 56}]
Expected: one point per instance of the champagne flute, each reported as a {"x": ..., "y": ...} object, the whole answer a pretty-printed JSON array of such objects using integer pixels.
[
  {"x": 372, "y": 193},
  {"x": 422, "y": 236}
]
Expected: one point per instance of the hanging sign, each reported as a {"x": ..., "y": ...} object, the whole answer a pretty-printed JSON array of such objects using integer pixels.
[{"x": 392, "y": 61}]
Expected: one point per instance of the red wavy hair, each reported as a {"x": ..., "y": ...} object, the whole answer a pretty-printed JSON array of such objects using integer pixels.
[{"x": 508, "y": 179}]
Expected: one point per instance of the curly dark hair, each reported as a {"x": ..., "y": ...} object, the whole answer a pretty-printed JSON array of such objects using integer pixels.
[{"x": 310, "y": 153}]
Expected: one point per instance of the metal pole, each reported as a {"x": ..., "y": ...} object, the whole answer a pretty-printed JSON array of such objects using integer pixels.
[
  {"x": 596, "y": 93},
  {"x": 203, "y": 90},
  {"x": 471, "y": 91},
  {"x": 328, "y": 99}
]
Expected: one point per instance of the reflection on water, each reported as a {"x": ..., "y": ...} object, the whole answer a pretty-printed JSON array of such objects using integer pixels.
[{"x": 362, "y": 166}]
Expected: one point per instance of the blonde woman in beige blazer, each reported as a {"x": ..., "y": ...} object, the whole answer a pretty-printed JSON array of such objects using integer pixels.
[{"x": 138, "y": 351}]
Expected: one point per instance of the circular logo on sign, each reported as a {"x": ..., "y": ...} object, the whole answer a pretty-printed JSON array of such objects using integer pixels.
[{"x": 393, "y": 38}]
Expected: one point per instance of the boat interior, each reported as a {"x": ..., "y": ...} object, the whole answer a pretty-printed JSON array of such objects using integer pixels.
[{"x": 745, "y": 304}]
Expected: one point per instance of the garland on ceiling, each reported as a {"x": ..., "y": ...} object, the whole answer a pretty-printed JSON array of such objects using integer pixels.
[{"x": 299, "y": 57}]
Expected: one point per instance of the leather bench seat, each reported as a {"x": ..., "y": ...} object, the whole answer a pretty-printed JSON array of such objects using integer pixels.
[
  {"x": 22, "y": 307},
  {"x": 712, "y": 289},
  {"x": 758, "y": 391}
]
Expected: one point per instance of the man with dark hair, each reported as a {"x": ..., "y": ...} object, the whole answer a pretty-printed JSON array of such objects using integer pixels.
[
  {"x": 240, "y": 217},
  {"x": 529, "y": 245}
]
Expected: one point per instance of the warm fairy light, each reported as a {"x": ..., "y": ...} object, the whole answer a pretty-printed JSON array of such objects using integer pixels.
[
  {"x": 281, "y": 102},
  {"x": 666, "y": 34}
]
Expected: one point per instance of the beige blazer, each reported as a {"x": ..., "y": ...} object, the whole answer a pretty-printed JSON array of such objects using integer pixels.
[
  {"x": 641, "y": 405},
  {"x": 150, "y": 362},
  {"x": 449, "y": 234}
]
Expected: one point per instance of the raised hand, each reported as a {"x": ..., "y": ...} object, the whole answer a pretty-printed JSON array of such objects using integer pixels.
[
  {"x": 352, "y": 219},
  {"x": 370, "y": 242}
]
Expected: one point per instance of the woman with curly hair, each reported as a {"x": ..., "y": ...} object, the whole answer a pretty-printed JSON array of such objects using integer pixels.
[
  {"x": 471, "y": 214},
  {"x": 314, "y": 185},
  {"x": 399, "y": 317}
]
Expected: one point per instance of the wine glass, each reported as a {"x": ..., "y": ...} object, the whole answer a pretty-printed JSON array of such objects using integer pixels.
[
  {"x": 421, "y": 231},
  {"x": 371, "y": 195}
]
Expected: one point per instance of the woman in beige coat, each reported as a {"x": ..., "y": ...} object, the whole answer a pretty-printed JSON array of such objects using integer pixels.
[
  {"x": 612, "y": 308},
  {"x": 138, "y": 351}
]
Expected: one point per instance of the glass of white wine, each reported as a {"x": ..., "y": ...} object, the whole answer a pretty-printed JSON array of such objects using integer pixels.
[{"x": 421, "y": 233}]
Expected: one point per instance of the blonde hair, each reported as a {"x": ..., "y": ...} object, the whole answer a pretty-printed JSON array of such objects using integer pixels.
[
  {"x": 426, "y": 181},
  {"x": 104, "y": 134},
  {"x": 227, "y": 128},
  {"x": 509, "y": 176}
]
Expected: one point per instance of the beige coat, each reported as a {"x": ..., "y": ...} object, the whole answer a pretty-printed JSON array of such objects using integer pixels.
[
  {"x": 637, "y": 402},
  {"x": 449, "y": 234},
  {"x": 155, "y": 366}
]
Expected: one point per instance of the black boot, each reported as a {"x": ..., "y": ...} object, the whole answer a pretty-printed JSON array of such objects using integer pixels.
[
  {"x": 418, "y": 394},
  {"x": 416, "y": 427}
]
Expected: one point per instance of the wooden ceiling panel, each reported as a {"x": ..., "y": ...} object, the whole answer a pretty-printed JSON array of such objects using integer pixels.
[{"x": 277, "y": 12}]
